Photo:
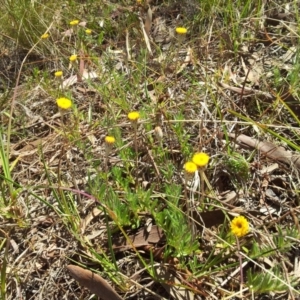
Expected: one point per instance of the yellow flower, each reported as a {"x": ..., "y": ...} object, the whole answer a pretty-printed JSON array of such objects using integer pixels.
[
  {"x": 63, "y": 103},
  {"x": 58, "y": 74},
  {"x": 88, "y": 31},
  {"x": 109, "y": 140},
  {"x": 190, "y": 167},
  {"x": 181, "y": 30},
  {"x": 73, "y": 57},
  {"x": 45, "y": 36},
  {"x": 74, "y": 22},
  {"x": 200, "y": 159},
  {"x": 133, "y": 116},
  {"x": 239, "y": 226}
]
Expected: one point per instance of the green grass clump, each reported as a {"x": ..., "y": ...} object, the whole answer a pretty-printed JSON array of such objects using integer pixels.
[
  {"x": 25, "y": 21},
  {"x": 238, "y": 167}
]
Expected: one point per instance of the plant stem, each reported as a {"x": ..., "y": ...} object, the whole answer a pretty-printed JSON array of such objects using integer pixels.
[
  {"x": 240, "y": 261},
  {"x": 201, "y": 186}
]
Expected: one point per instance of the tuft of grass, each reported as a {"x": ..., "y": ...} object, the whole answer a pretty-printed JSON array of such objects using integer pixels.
[
  {"x": 25, "y": 21},
  {"x": 238, "y": 167}
]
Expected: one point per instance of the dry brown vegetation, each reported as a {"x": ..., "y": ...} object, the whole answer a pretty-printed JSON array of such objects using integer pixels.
[{"x": 79, "y": 217}]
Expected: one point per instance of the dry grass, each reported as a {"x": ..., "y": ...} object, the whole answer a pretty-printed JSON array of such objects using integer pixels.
[{"x": 127, "y": 211}]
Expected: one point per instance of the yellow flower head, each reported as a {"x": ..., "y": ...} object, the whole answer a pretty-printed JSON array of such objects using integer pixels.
[
  {"x": 88, "y": 31},
  {"x": 200, "y": 159},
  {"x": 109, "y": 140},
  {"x": 133, "y": 116},
  {"x": 190, "y": 167},
  {"x": 63, "y": 103},
  {"x": 74, "y": 22},
  {"x": 181, "y": 30},
  {"x": 73, "y": 57},
  {"x": 58, "y": 74},
  {"x": 45, "y": 36},
  {"x": 239, "y": 226}
]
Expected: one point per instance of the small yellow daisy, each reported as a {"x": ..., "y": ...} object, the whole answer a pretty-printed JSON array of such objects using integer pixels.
[
  {"x": 63, "y": 103},
  {"x": 109, "y": 140},
  {"x": 73, "y": 57},
  {"x": 181, "y": 30},
  {"x": 190, "y": 167},
  {"x": 239, "y": 226},
  {"x": 133, "y": 116},
  {"x": 88, "y": 31},
  {"x": 201, "y": 159},
  {"x": 45, "y": 36},
  {"x": 74, "y": 22},
  {"x": 58, "y": 74}
]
